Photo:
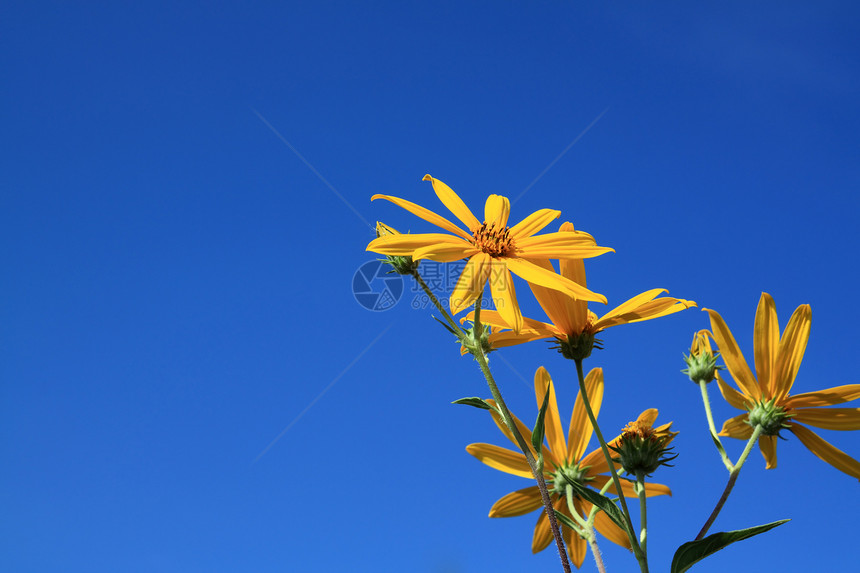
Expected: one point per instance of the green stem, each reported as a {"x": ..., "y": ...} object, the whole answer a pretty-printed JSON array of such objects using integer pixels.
[
  {"x": 438, "y": 305},
  {"x": 568, "y": 490},
  {"x": 478, "y": 352},
  {"x": 634, "y": 543},
  {"x": 588, "y": 529},
  {"x": 594, "y": 508},
  {"x": 703, "y": 386},
  {"x": 733, "y": 476},
  {"x": 643, "y": 513}
]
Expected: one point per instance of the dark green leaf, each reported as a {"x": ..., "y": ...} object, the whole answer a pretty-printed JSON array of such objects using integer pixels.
[
  {"x": 476, "y": 402},
  {"x": 602, "y": 502},
  {"x": 537, "y": 433},
  {"x": 692, "y": 552}
]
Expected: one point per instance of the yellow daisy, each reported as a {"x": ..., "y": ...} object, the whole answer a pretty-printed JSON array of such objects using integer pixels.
[
  {"x": 766, "y": 401},
  {"x": 563, "y": 460},
  {"x": 494, "y": 250},
  {"x": 570, "y": 318}
]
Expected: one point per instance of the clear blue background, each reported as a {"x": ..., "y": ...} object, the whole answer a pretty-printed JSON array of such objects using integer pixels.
[{"x": 176, "y": 285}]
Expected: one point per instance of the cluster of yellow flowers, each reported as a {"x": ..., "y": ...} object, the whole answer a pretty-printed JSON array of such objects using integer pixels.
[{"x": 494, "y": 250}]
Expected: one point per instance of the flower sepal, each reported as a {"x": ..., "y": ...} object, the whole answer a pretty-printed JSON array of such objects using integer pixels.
[
  {"x": 577, "y": 347},
  {"x": 469, "y": 343},
  {"x": 770, "y": 416}
]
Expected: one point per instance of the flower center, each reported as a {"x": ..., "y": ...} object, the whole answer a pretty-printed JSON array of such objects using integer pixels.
[
  {"x": 573, "y": 475},
  {"x": 640, "y": 430},
  {"x": 770, "y": 416},
  {"x": 493, "y": 240}
]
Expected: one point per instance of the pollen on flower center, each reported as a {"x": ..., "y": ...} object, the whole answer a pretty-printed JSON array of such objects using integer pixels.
[
  {"x": 639, "y": 430},
  {"x": 493, "y": 240}
]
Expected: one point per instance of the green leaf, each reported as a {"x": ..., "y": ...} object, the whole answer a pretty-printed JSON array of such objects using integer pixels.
[
  {"x": 602, "y": 502},
  {"x": 568, "y": 522},
  {"x": 692, "y": 552},
  {"x": 538, "y": 432},
  {"x": 476, "y": 402},
  {"x": 448, "y": 328}
]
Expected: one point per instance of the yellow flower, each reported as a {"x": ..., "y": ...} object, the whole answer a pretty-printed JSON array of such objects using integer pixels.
[
  {"x": 494, "y": 250},
  {"x": 766, "y": 400},
  {"x": 570, "y": 318},
  {"x": 563, "y": 460}
]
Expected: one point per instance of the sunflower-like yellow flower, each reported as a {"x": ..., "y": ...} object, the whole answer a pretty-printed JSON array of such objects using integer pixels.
[
  {"x": 766, "y": 401},
  {"x": 570, "y": 318},
  {"x": 494, "y": 250},
  {"x": 564, "y": 460}
]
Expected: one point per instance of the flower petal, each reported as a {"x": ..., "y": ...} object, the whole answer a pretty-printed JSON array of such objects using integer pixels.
[
  {"x": 518, "y": 502},
  {"x": 648, "y": 416},
  {"x": 580, "y": 430},
  {"x": 501, "y": 459},
  {"x": 732, "y": 396},
  {"x": 837, "y": 395},
  {"x": 577, "y": 548},
  {"x": 445, "y": 252},
  {"x": 792, "y": 345},
  {"x": 607, "y": 527},
  {"x": 505, "y": 296},
  {"x": 651, "y": 489},
  {"x": 643, "y": 307},
  {"x": 767, "y": 445},
  {"x": 511, "y": 338},
  {"x": 765, "y": 343},
  {"x": 534, "y": 223},
  {"x": 497, "y": 209},
  {"x": 737, "y": 427},
  {"x": 494, "y": 318},
  {"x": 405, "y": 245},
  {"x": 552, "y": 421},
  {"x": 454, "y": 203},
  {"x": 596, "y": 461},
  {"x": 829, "y": 418},
  {"x": 471, "y": 282},
  {"x": 561, "y": 245},
  {"x": 532, "y": 273},
  {"x": 825, "y": 451},
  {"x": 732, "y": 356},
  {"x": 559, "y": 307},
  {"x": 425, "y": 214}
]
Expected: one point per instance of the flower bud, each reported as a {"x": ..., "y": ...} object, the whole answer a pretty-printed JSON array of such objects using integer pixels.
[
  {"x": 401, "y": 265},
  {"x": 702, "y": 362},
  {"x": 468, "y": 346},
  {"x": 641, "y": 449}
]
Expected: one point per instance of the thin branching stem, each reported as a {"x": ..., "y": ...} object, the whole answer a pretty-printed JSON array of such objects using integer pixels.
[
  {"x": 537, "y": 472},
  {"x": 703, "y": 385},
  {"x": 733, "y": 476},
  {"x": 634, "y": 543}
]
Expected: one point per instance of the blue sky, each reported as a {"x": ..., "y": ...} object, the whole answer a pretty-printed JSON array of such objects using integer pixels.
[{"x": 184, "y": 205}]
